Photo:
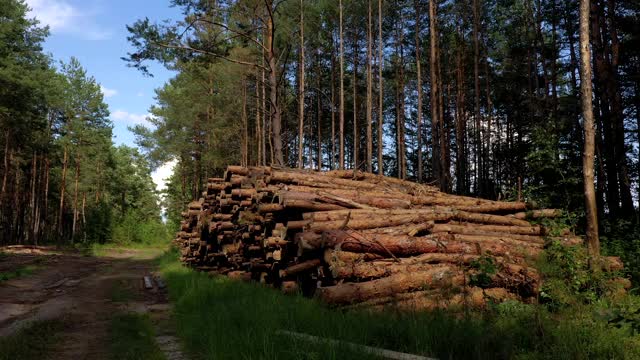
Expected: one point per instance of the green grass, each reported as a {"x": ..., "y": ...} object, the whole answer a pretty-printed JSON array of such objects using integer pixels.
[
  {"x": 131, "y": 337},
  {"x": 32, "y": 343},
  {"x": 19, "y": 272},
  {"x": 223, "y": 319},
  {"x": 144, "y": 250}
]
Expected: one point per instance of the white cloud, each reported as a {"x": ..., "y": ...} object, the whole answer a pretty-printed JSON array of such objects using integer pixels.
[
  {"x": 63, "y": 17},
  {"x": 58, "y": 14},
  {"x": 130, "y": 118},
  {"x": 140, "y": 94},
  {"x": 162, "y": 174},
  {"x": 108, "y": 92}
]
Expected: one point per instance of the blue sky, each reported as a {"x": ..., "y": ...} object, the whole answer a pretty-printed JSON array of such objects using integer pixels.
[{"x": 95, "y": 32}]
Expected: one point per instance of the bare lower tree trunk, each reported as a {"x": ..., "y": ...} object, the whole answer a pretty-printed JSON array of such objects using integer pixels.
[
  {"x": 319, "y": 99},
  {"x": 63, "y": 181},
  {"x": 45, "y": 209},
  {"x": 461, "y": 120},
  {"x": 75, "y": 201},
  {"x": 435, "y": 92},
  {"x": 6, "y": 169},
  {"x": 419, "y": 86},
  {"x": 593, "y": 241},
  {"x": 369, "y": 95},
  {"x": 276, "y": 117},
  {"x": 301, "y": 91},
  {"x": 380, "y": 93},
  {"x": 258, "y": 126},
  {"x": 245, "y": 123},
  {"x": 355, "y": 101},
  {"x": 32, "y": 198},
  {"x": 476, "y": 78},
  {"x": 264, "y": 133},
  {"x": 341, "y": 158},
  {"x": 333, "y": 105}
]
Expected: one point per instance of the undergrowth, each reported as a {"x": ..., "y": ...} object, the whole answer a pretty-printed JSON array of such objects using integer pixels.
[{"x": 581, "y": 319}]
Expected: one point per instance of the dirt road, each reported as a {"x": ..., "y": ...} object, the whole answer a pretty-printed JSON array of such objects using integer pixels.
[{"x": 86, "y": 292}]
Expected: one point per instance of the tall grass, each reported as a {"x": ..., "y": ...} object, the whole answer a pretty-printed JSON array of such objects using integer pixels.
[{"x": 224, "y": 319}]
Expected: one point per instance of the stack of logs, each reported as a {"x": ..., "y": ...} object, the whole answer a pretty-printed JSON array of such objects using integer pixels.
[{"x": 362, "y": 240}]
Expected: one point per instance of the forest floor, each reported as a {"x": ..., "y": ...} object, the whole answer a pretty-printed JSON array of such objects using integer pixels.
[{"x": 99, "y": 303}]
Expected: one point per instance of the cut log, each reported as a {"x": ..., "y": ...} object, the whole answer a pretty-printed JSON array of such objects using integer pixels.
[{"x": 348, "y": 293}]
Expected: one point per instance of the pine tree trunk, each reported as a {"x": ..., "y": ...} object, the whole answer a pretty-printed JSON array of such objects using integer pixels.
[
  {"x": 369, "y": 94},
  {"x": 479, "y": 188},
  {"x": 435, "y": 92},
  {"x": 6, "y": 169},
  {"x": 380, "y": 92},
  {"x": 62, "y": 191},
  {"x": 75, "y": 201},
  {"x": 355, "y": 101},
  {"x": 319, "y": 99},
  {"x": 401, "y": 111},
  {"x": 419, "y": 86},
  {"x": 276, "y": 118},
  {"x": 301, "y": 91},
  {"x": 245, "y": 124},
  {"x": 589, "y": 128},
  {"x": 341, "y": 158},
  {"x": 461, "y": 121},
  {"x": 333, "y": 104}
]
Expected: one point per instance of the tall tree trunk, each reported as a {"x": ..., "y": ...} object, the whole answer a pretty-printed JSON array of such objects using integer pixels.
[
  {"x": 319, "y": 100},
  {"x": 45, "y": 214},
  {"x": 402, "y": 169},
  {"x": 461, "y": 120},
  {"x": 333, "y": 104},
  {"x": 301, "y": 91},
  {"x": 341, "y": 158},
  {"x": 276, "y": 118},
  {"x": 63, "y": 181},
  {"x": 593, "y": 241},
  {"x": 617, "y": 110},
  {"x": 33, "y": 198},
  {"x": 380, "y": 93},
  {"x": 355, "y": 101},
  {"x": 369, "y": 94},
  {"x": 5, "y": 169},
  {"x": 75, "y": 200},
  {"x": 443, "y": 131},
  {"x": 476, "y": 78},
  {"x": 263, "y": 93},
  {"x": 419, "y": 86},
  {"x": 245, "y": 123},
  {"x": 258, "y": 126},
  {"x": 435, "y": 93}
]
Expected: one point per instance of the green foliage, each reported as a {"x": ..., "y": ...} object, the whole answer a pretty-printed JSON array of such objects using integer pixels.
[
  {"x": 569, "y": 278},
  {"x": 485, "y": 268},
  {"x": 622, "y": 238},
  {"x": 32, "y": 343},
  {"x": 131, "y": 337},
  {"x": 135, "y": 228}
]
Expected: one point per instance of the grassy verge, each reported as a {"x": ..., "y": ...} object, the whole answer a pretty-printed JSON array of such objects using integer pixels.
[
  {"x": 132, "y": 338},
  {"x": 223, "y": 319},
  {"x": 32, "y": 343},
  {"x": 145, "y": 250},
  {"x": 19, "y": 272}
]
